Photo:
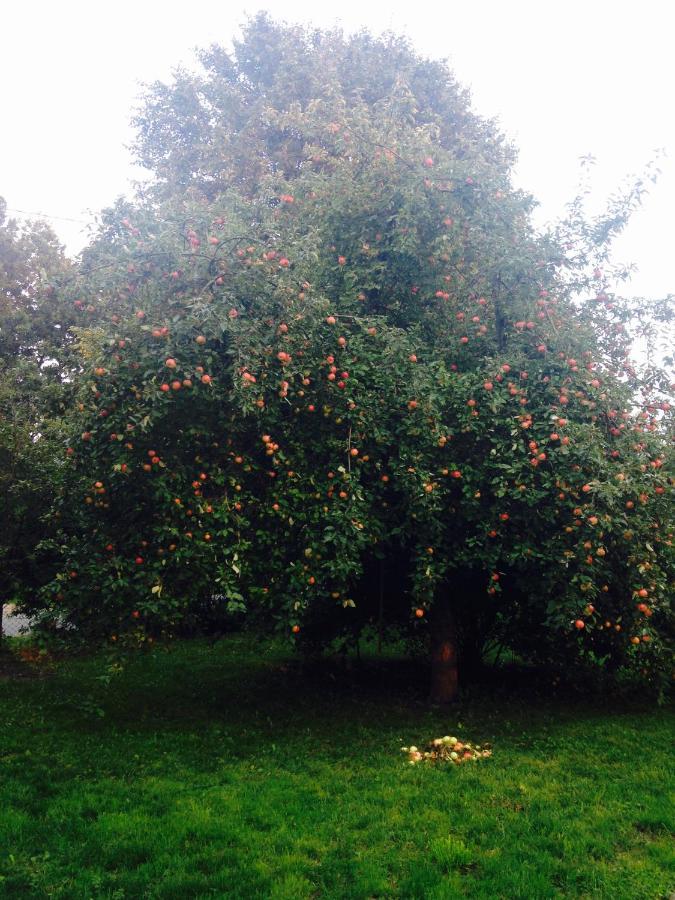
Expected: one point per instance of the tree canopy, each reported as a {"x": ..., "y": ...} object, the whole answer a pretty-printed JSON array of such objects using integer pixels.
[{"x": 327, "y": 350}]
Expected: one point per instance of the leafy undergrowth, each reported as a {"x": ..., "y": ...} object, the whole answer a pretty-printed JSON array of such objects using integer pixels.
[{"x": 221, "y": 771}]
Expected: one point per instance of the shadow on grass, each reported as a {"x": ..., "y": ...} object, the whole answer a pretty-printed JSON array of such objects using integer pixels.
[{"x": 255, "y": 691}]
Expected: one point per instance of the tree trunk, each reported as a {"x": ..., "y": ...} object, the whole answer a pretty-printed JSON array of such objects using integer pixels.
[
  {"x": 443, "y": 657},
  {"x": 380, "y": 612}
]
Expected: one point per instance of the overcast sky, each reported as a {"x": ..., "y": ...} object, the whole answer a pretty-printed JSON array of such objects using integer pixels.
[{"x": 565, "y": 79}]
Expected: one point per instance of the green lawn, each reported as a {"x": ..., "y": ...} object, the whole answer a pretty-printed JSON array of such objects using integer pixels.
[{"x": 218, "y": 771}]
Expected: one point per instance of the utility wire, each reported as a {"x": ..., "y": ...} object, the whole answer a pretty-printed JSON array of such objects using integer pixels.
[{"x": 40, "y": 215}]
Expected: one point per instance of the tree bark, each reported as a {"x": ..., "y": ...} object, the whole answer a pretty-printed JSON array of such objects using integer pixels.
[
  {"x": 380, "y": 612},
  {"x": 444, "y": 678}
]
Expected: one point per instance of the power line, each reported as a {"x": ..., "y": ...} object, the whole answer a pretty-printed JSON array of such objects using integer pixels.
[{"x": 40, "y": 215}]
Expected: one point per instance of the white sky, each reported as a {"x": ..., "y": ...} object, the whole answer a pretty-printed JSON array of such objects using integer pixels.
[{"x": 565, "y": 78}]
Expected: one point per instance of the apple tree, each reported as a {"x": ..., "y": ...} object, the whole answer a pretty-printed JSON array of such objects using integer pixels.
[{"x": 328, "y": 349}]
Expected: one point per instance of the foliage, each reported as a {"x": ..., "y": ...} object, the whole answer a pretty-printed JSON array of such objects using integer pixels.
[
  {"x": 329, "y": 340},
  {"x": 250, "y": 113},
  {"x": 34, "y": 368}
]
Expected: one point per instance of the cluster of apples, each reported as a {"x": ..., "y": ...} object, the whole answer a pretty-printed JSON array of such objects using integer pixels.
[{"x": 448, "y": 749}]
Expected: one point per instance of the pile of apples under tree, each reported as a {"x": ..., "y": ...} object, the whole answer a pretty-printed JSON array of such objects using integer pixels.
[{"x": 448, "y": 749}]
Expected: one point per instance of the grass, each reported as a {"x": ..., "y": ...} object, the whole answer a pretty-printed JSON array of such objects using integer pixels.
[{"x": 219, "y": 771}]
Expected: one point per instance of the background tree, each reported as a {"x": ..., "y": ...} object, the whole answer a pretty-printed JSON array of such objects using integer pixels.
[
  {"x": 242, "y": 119},
  {"x": 34, "y": 368}
]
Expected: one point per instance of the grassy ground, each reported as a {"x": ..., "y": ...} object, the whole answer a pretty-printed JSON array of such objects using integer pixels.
[{"x": 218, "y": 771}]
